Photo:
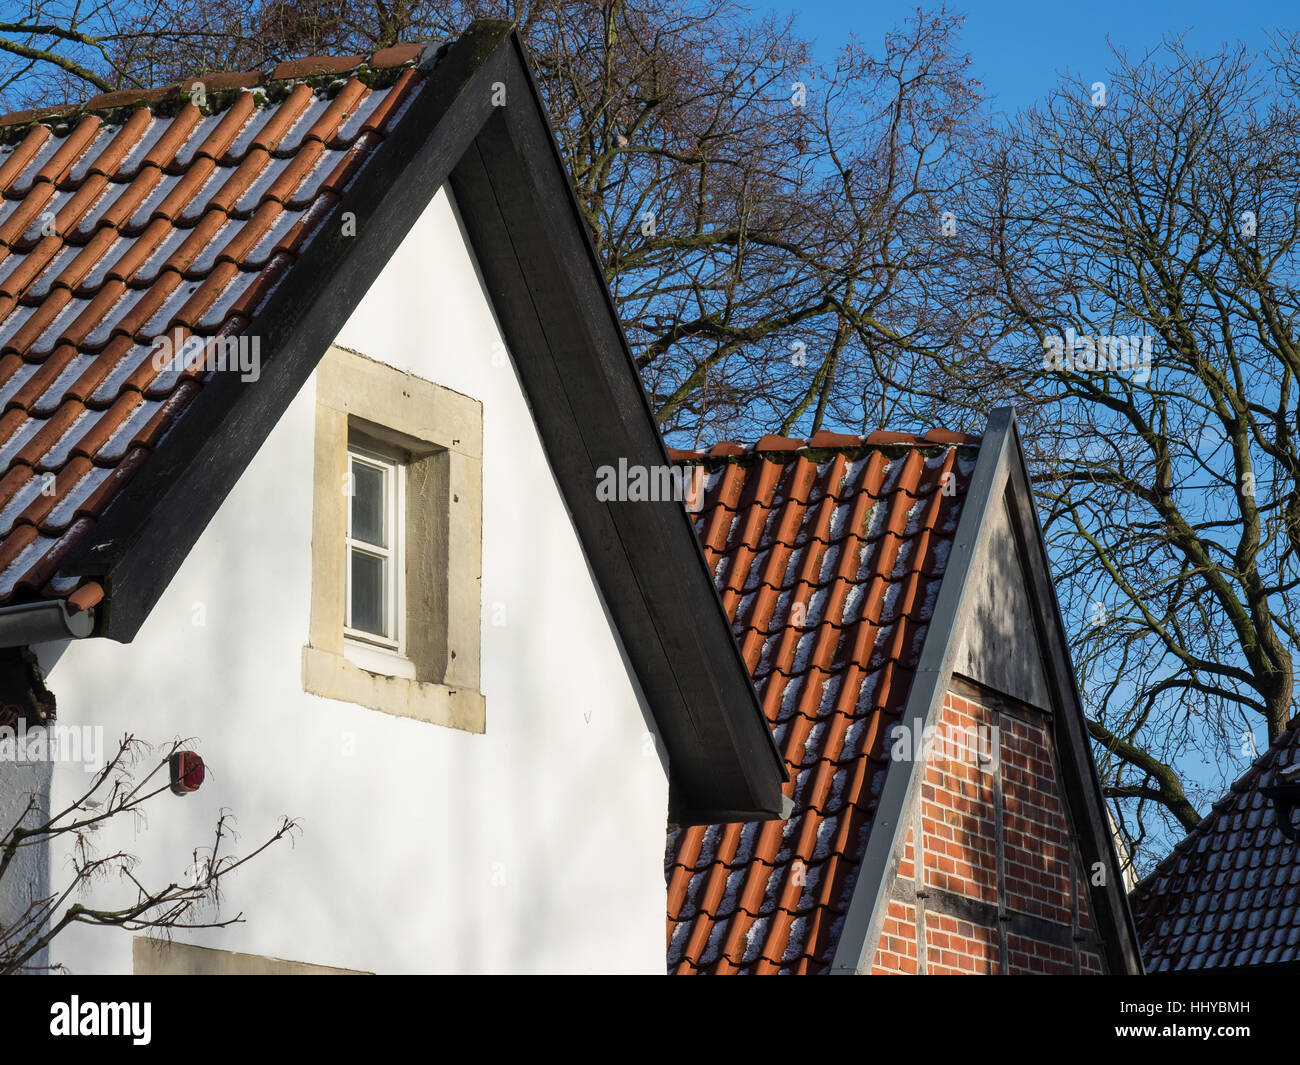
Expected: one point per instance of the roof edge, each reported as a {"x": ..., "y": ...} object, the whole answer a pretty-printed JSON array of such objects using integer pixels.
[
  {"x": 144, "y": 535},
  {"x": 306, "y": 68},
  {"x": 1083, "y": 798},
  {"x": 561, "y": 326},
  {"x": 870, "y": 899},
  {"x": 824, "y": 441}
]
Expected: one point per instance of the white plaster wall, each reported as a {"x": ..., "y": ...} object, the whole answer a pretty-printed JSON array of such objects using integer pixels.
[
  {"x": 536, "y": 847},
  {"x": 28, "y": 875}
]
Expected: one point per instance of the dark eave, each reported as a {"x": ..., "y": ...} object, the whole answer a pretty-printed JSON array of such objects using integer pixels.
[{"x": 547, "y": 287}]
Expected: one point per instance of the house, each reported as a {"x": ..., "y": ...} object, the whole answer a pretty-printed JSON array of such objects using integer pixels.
[
  {"x": 892, "y": 600},
  {"x": 1227, "y": 897},
  {"x": 317, "y": 442},
  {"x": 307, "y": 381}
]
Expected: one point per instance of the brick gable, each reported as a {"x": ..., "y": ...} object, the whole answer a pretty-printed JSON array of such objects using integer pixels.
[
  {"x": 878, "y": 586},
  {"x": 1002, "y": 886}
]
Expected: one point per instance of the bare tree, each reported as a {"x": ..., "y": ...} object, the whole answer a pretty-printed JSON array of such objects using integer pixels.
[
  {"x": 777, "y": 237},
  {"x": 1143, "y": 234},
  {"x": 115, "y": 792}
]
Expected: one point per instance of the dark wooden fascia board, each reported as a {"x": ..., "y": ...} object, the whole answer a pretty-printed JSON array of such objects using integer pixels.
[{"x": 562, "y": 328}]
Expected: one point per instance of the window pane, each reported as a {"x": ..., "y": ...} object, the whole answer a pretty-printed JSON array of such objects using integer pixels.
[
  {"x": 368, "y": 593},
  {"x": 368, "y": 504}
]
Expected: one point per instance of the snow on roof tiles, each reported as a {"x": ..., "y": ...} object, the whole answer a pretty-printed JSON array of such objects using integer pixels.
[
  {"x": 139, "y": 214},
  {"x": 828, "y": 555}
]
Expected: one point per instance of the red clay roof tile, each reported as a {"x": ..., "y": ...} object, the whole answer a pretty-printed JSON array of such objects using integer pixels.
[
  {"x": 828, "y": 566},
  {"x": 772, "y": 442},
  {"x": 221, "y": 81},
  {"x": 44, "y": 375},
  {"x": 174, "y": 133},
  {"x": 311, "y": 66},
  {"x": 108, "y": 160},
  {"x": 85, "y": 597},
  {"x": 107, "y": 101},
  {"x": 39, "y": 114},
  {"x": 398, "y": 55},
  {"x": 825, "y": 438},
  {"x": 133, "y": 216},
  {"x": 22, "y": 154}
]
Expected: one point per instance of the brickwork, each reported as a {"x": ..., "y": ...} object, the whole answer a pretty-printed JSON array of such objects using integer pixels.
[
  {"x": 1035, "y": 830},
  {"x": 959, "y": 948},
  {"x": 978, "y": 761},
  {"x": 896, "y": 953},
  {"x": 957, "y": 804},
  {"x": 1033, "y": 957}
]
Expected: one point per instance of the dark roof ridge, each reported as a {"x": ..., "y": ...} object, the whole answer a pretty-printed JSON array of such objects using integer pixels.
[
  {"x": 227, "y": 84},
  {"x": 824, "y": 440}
]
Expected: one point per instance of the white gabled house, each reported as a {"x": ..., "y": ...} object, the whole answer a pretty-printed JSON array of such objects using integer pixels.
[{"x": 363, "y": 564}]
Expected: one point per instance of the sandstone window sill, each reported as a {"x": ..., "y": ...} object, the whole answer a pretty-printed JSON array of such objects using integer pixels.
[{"x": 333, "y": 676}]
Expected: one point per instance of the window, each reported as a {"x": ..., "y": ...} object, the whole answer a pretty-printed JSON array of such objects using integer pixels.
[
  {"x": 396, "y": 543},
  {"x": 374, "y": 613}
]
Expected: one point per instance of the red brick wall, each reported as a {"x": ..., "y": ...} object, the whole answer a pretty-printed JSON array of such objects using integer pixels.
[
  {"x": 896, "y": 953},
  {"x": 1034, "y": 957},
  {"x": 957, "y": 810},
  {"x": 1036, "y": 838},
  {"x": 958, "y": 818},
  {"x": 959, "y": 948}
]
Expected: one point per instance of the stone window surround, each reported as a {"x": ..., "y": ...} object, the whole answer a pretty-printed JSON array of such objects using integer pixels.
[{"x": 442, "y": 432}]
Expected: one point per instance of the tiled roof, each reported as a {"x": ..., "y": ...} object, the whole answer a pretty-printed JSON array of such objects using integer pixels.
[
  {"x": 142, "y": 214},
  {"x": 1228, "y": 895},
  {"x": 828, "y": 555}
]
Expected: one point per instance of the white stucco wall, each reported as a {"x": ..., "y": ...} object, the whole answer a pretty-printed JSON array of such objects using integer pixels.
[
  {"x": 28, "y": 875},
  {"x": 536, "y": 847}
]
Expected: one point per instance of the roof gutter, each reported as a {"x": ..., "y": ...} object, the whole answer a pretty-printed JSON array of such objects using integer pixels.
[{"x": 44, "y": 622}]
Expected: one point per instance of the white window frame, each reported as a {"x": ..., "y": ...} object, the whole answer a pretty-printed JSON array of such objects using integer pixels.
[{"x": 370, "y": 651}]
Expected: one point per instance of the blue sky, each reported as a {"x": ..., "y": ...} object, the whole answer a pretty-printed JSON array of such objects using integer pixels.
[{"x": 1019, "y": 49}]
